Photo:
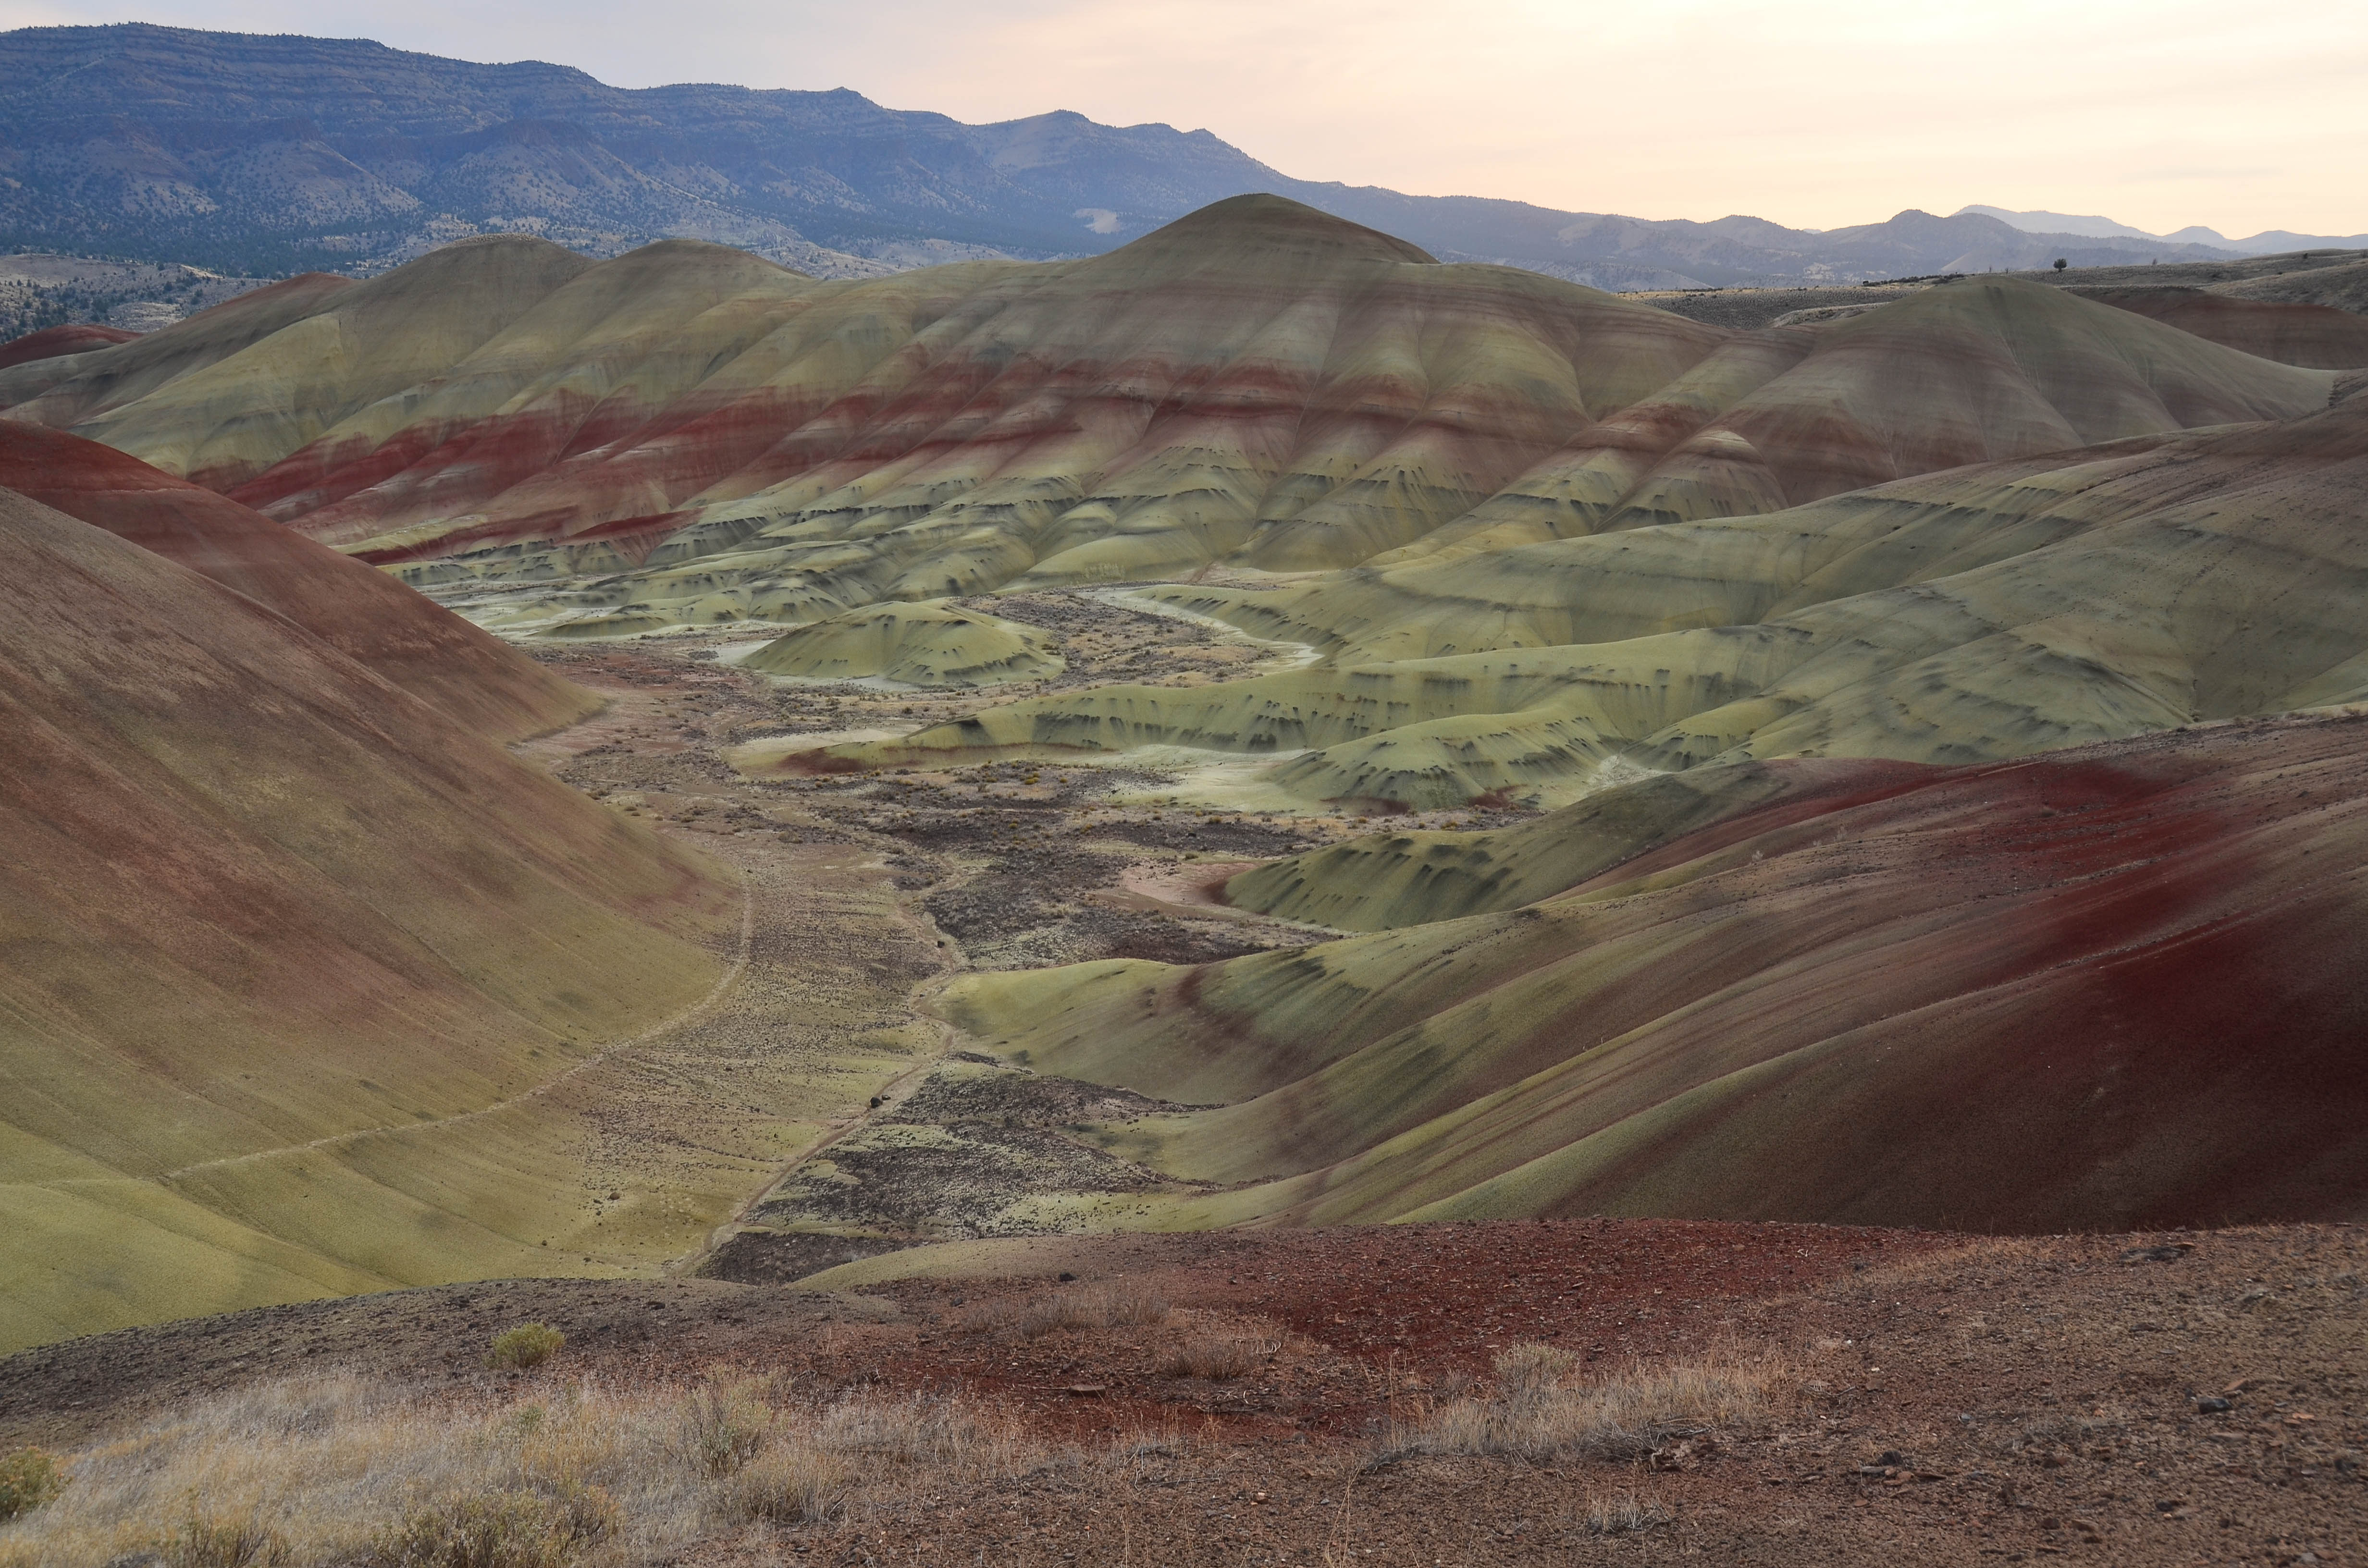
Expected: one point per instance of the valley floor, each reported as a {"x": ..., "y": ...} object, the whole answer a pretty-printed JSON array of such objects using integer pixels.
[{"x": 871, "y": 891}]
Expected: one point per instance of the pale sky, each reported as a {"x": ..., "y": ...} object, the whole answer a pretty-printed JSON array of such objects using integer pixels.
[{"x": 1810, "y": 113}]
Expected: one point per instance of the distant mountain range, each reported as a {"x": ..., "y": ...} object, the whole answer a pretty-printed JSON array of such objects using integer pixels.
[
  {"x": 272, "y": 155},
  {"x": 2270, "y": 242}
]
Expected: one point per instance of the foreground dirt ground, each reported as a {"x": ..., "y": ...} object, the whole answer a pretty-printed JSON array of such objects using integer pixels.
[{"x": 2190, "y": 1397}]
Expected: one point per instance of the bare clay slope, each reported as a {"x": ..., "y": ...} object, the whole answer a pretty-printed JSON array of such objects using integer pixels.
[
  {"x": 2292, "y": 332},
  {"x": 1257, "y": 382},
  {"x": 690, "y": 435},
  {"x": 2109, "y": 985},
  {"x": 463, "y": 672},
  {"x": 255, "y": 896},
  {"x": 1989, "y": 612},
  {"x": 60, "y": 391},
  {"x": 739, "y": 442},
  {"x": 79, "y": 337}
]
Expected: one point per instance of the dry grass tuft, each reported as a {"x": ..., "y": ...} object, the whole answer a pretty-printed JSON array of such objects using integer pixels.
[
  {"x": 528, "y": 1345},
  {"x": 1539, "y": 1407},
  {"x": 508, "y": 1530},
  {"x": 1104, "y": 1306},
  {"x": 1135, "y": 1306},
  {"x": 223, "y": 1543},
  {"x": 370, "y": 1475},
  {"x": 1624, "y": 1513},
  {"x": 1217, "y": 1357},
  {"x": 2011, "y": 1253},
  {"x": 791, "y": 1486}
]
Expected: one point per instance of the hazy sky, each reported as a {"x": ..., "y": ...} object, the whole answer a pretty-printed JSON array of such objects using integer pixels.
[{"x": 2165, "y": 113}]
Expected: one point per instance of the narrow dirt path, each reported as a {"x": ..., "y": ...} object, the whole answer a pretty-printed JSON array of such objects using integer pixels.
[{"x": 659, "y": 1031}]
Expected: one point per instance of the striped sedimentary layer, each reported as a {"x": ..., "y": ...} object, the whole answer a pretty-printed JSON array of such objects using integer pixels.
[
  {"x": 689, "y": 434},
  {"x": 2113, "y": 986},
  {"x": 278, "y": 925},
  {"x": 1989, "y": 612}
]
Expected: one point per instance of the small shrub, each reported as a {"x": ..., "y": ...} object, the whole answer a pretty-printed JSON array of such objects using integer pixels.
[
  {"x": 1065, "y": 1309},
  {"x": 528, "y": 1345},
  {"x": 1536, "y": 1410},
  {"x": 1623, "y": 1514},
  {"x": 29, "y": 1478},
  {"x": 1100, "y": 1308},
  {"x": 725, "y": 1422},
  {"x": 223, "y": 1543},
  {"x": 789, "y": 1485},
  {"x": 1527, "y": 1375},
  {"x": 1217, "y": 1357},
  {"x": 1122, "y": 1306},
  {"x": 503, "y": 1529}
]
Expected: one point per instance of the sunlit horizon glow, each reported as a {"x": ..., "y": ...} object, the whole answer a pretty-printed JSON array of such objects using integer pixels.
[{"x": 1813, "y": 115}]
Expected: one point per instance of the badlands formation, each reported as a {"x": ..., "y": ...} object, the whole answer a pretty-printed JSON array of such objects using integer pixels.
[
  {"x": 281, "y": 913},
  {"x": 1898, "y": 765}
]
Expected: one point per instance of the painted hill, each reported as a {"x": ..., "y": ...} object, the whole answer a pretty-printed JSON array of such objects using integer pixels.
[
  {"x": 1982, "y": 613},
  {"x": 2108, "y": 986},
  {"x": 258, "y": 896},
  {"x": 700, "y": 418},
  {"x": 1825, "y": 957},
  {"x": 100, "y": 381},
  {"x": 2292, "y": 332},
  {"x": 930, "y": 644},
  {"x": 52, "y": 341},
  {"x": 692, "y": 435},
  {"x": 462, "y": 672},
  {"x": 282, "y": 153}
]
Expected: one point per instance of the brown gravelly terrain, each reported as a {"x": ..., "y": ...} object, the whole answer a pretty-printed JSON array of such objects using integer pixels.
[{"x": 2186, "y": 1397}]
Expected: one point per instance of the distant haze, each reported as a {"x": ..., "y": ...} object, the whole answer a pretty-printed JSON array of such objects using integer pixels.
[
  {"x": 2270, "y": 243},
  {"x": 2166, "y": 114}
]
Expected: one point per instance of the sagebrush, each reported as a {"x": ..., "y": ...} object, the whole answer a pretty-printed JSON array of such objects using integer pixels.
[
  {"x": 29, "y": 1478},
  {"x": 528, "y": 1345}
]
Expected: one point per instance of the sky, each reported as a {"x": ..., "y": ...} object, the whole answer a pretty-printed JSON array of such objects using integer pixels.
[{"x": 1813, "y": 114}]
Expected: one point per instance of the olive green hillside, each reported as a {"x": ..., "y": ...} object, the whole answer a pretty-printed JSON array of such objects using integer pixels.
[
  {"x": 928, "y": 644},
  {"x": 1984, "y": 612},
  {"x": 2110, "y": 986},
  {"x": 273, "y": 927}
]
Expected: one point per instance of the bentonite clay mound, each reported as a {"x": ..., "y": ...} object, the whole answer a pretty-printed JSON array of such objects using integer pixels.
[
  {"x": 53, "y": 341},
  {"x": 2102, "y": 986},
  {"x": 682, "y": 429},
  {"x": 419, "y": 646},
  {"x": 2291, "y": 332},
  {"x": 259, "y": 900}
]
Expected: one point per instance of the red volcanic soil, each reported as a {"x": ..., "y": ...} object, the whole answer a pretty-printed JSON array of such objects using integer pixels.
[
  {"x": 469, "y": 674},
  {"x": 2170, "y": 1397},
  {"x": 53, "y": 341}
]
